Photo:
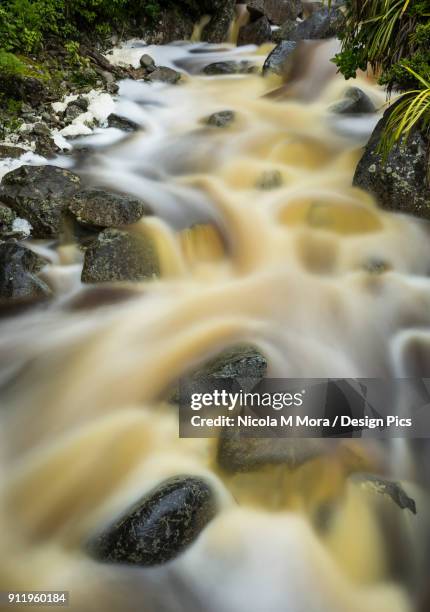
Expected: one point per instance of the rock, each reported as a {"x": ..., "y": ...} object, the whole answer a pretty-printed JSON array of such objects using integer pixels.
[
  {"x": 82, "y": 103},
  {"x": 147, "y": 62},
  {"x": 121, "y": 123},
  {"x": 18, "y": 272},
  {"x": 165, "y": 74},
  {"x": 11, "y": 151},
  {"x": 394, "y": 490},
  {"x": 221, "y": 119},
  {"x": 117, "y": 255},
  {"x": 355, "y": 102},
  {"x": 222, "y": 15},
  {"x": 243, "y": 454},
  {"x": 28, "y": 89},
  {"x": 277, "y": 11},
  {"x": 276, "y": 61},
  {"x": 112, "y": 88},
  {"x": 45, "y": 146},
  {"x": 7, "y": 218},
  {"x": 159, "y": 526},
  {"x": 255, "y": 33},
  {"x": 39, "y": 194},
  {"x": 72, "y": 112},
  {"x": 229, "y": 67},
  {"x": 41, "y": 129},
  {"x": 323, "y": 23},
  {"x": 241, "y": 361},
  {"x": 270, "y": 179},
  {"x": 100, "y": 208},
  {"x": 400, "y": 182}
]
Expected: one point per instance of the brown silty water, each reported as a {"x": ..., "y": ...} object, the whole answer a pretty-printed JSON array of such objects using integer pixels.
[{"x": 262, "y": 240}]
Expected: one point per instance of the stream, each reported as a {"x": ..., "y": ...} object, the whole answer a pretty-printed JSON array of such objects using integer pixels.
[{"x": 262, "y": 241}]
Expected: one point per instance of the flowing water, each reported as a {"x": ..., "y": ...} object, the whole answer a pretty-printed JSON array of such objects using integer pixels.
[{"x": 262, "y": 240}]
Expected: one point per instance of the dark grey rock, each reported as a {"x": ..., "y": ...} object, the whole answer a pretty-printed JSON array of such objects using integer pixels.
[
  {"x": 222, "y": 15},
  {"x": 355, "y": 102},
  {"x": 11, "y": 151},
  {"x": 117, "y": 255},
  {"x": 81, "y": 103},
  {"x": 270, "y": 179},
  {"x": 323, "y": 23},
  {"x": 121, "y": 123},
  {"x": 392, "y": 489},
  {"x": 147, "y": 62},
  {"x": 165, "y": 74},
  {"x": 28, "y": 89},
  {"x": 229, "y": 67},
  {"x": 242, "y": 454},
  {"x": 277, "y": 11},
  {"x": 39, "y": 194},
  {"x": 255, "y": 33},
  {"x": 18, "y": 273},
  {"x": 221, "y": 119},
  {"x": 41, "y": 129},
  {"x": 401, "y": 181},
  {"x": 159, "y": 526},
  {"x": 112, "y": 88},
  {"x": 277, "y": 59},
  {"x": 7, "y": 217},
  {"x": 100, "y": 208},
  {"x": 72, "y": 112}
]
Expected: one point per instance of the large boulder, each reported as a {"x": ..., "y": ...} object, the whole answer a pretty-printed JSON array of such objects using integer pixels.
[
  {"x": 323, "y": 23},
  {"x": 40, "y": 194},
  {"x": 401, "y": 181},
  {"x": 355, "y": 102},
  {"x": 276, "y": 61},
  {"x": 277, "y": 11},
  {"x": 18, "y": 273},
  {"x": 158, "y": 527},
  {"x": 255, "y": 33},
  {"x": 96, "y": 207},
  {"x": 117, "y": 255}
]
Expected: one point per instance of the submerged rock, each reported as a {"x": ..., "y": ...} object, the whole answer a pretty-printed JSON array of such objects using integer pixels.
[
  {"x": 165, "y": 74},
  {"x": 121, "y": 123},
  {"x": 401, "y": 181},
  {"x": 228, "y": 67},
  {"x": 276, "y": 61},
  {"x": 270, "y": 179},
  {"x": 159, "y": 526},
  {"x": 242, "y": 454},
  {"x": 18, "y": 273},
  {"x": 255, "y": 33},
  {"x": 100, "y": 208},
  {"x": 394, "y": 490},
  {"x": 221, "y": 119},
  {"x": 241, "y": 361},
  {"x": 355, "y": 102},
  {"x": 40, "y": 194},
  {"x": 117, "y": 255}
]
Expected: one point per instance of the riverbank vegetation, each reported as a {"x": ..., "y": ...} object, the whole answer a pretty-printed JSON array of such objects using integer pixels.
[{"x": 393, "y": 37}]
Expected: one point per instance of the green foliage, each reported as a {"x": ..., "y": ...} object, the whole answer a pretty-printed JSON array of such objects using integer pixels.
[
  {"x": 393, "y": 37},
  {"x": 10, "y": 65},
  {"x": 25, "y": 25}
]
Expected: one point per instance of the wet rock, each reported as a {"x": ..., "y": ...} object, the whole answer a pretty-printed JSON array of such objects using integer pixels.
[
  {"x": 222, "y": 14},
  {"x": 241, "y": 361},
  {"x": 121, "y": 123},
  {"x": 72, "y": 112},
  {"x": 401, "y": 181},
  {"x": 229, "y": 67},
  {"x": 11, "y": 151},
  {"x": 242, "y": 454},
  {"x": 323, "y": 23},
  {"x": 28, "y": 89},
  {"x": 277, "y": 11},
  {"x": 165, "y": 74},
  {"x": 255, "y": 33},
  {"x": 41, "y": 129},
  {"x": 18, "y": 272},
  {"x": 276, "y": 61},
  {"x": 271, "y": 179},
  {"x": 112, "y": 88},
  {"x": 355, "y": 102},
  {"x": 40, "y": 194},
  {"x": 7, "y": 218},
  {"x": 221, "y": 119},
  {"x": 101, "y": 208},
  {"x": 147, "y": 62},
  {"x": 394, "y": 490},
  {"x": 159, "y": 526},
  {"x": 82, "y": 103},
  {"x": 117, "y": 255}
]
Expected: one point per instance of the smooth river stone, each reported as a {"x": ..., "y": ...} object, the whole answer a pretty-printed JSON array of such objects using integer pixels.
[{"x": 159, "y": 526}]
